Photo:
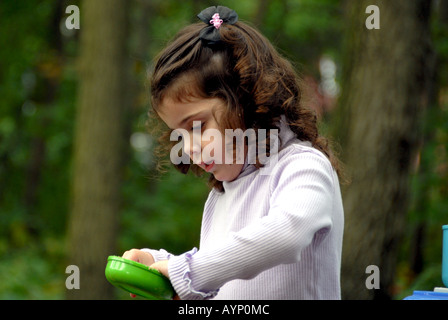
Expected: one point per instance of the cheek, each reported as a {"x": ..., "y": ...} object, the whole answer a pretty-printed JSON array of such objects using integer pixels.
[
  {"x": 234, "y": 152},
  {"x": 212, "y": 145},
  {"x": 218, "y": 151}
]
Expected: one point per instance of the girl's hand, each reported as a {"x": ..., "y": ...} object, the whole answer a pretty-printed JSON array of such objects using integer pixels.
[
  {"x": 162, "y": 267},
  {"x": 138, "y": 256},
  {"x": 147, "y": 259}
]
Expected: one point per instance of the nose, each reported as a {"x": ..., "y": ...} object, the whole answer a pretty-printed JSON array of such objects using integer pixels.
[{"x": 192, "y": 147}]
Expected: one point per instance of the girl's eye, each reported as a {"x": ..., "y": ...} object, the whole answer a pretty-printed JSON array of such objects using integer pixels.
[{"x": 197, "y": 125}]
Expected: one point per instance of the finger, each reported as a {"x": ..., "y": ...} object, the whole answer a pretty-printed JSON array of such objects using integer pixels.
[
  {"x": 146, "y": 258},
  {"x": 132, "y": 254},
  {"x": 139, "y": 256},
  {"x": 161, "y": 266}
]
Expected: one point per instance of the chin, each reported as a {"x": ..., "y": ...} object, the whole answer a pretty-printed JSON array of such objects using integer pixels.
[
  {"x": 221, "y": 178},
  {"x": 226, "y": 176}
]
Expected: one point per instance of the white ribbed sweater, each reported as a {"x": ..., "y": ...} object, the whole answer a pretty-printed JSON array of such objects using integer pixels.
[{"x": 268, "y": 236}]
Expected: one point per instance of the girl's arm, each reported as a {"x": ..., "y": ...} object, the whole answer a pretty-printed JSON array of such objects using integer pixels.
[{"x": 301, "y": 205}]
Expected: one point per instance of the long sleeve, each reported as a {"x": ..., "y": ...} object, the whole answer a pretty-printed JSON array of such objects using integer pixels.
[
  {"x": 299, "y": 209},
  {"x": 158, "y": 255}
]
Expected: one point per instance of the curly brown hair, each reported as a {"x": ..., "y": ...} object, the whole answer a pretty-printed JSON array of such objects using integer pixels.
[{"x": 257, "y": 84}]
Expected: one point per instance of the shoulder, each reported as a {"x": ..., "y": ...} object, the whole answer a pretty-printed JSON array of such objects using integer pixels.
[
  {"x": 300, "y": 155},
  {"x": 299, "y": 160}
]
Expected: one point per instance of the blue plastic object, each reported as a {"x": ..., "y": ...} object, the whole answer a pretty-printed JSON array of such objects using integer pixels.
[
  {"x": 438, "y": 293},
  {"x": 445, "y": 256},
  {"x": 427, "y": 295}
]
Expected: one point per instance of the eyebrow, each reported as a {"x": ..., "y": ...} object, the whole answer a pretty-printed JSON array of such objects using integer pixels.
[{"x": 194, "y": 115}]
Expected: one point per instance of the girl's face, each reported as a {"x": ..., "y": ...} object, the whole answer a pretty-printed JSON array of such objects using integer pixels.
[{"x": 195, "y": 119}]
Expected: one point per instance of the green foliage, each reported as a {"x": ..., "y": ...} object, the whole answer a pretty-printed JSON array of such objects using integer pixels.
[
  {"x": 164, "y": 212},
  {"x": 38, "y": 96},
  {"x": 33, "y": 272},
  {"x": 38, "y": 91},
  {"x": 429, "y": 193}
]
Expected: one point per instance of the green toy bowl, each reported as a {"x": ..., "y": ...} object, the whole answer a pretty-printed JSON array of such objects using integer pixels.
[{"x": 138, "y": 279}]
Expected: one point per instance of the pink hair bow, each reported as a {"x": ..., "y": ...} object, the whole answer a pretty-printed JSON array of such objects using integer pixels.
[
  {"x": 216, "y": 21},
  {"x": 214, "y": 17}
]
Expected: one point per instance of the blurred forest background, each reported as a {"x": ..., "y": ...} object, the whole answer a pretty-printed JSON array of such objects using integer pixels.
[{"x": 77, "y": 175}]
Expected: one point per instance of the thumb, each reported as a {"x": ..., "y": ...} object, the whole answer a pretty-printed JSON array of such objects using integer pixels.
[{"x": 161, "y": 266}]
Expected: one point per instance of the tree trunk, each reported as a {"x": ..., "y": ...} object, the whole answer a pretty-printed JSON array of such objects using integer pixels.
[
  {"x": 99, "y": 145},
  {"x": 379, "y": 124}
]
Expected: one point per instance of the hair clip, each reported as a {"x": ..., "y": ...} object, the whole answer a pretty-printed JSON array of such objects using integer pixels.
[
  {"x": 216, "y": 21},
  {"x": 214, "y": 17}
]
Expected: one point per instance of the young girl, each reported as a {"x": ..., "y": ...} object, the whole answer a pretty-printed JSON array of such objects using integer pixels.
[{"x": 275, "y": 234}]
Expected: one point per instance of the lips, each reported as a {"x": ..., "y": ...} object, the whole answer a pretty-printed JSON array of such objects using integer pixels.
[{"x": 208, "y": 167}]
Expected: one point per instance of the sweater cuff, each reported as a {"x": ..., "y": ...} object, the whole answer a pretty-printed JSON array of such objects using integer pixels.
[
  {"x": 179, "y": 269},
  {"x": 158, "y": 255}
]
